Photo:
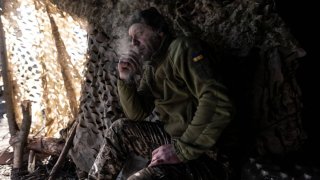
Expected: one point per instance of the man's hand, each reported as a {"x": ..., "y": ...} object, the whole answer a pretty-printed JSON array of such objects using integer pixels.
[
  {"x": 129, "y": 65},
  {"x": 164, "y": 154}
]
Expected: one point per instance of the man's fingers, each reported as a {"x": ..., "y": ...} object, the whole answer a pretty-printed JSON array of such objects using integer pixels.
[
  {"x": 130, "y": 63},
  {"x": 125, "y": 70},
  {"x": 154, "y": 152},
  {"x": 156, "y": 162}
]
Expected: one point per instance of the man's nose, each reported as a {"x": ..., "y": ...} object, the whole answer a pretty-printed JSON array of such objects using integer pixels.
[{"x": 135, "y": 42}]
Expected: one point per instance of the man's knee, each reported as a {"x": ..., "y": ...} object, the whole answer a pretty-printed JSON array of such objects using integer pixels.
[
  {"x": 117, "y": 126},
  {"x": 144, "y": 174},
  {"x": 119, "y": 123},
  {"x": 119, "y": 129}
]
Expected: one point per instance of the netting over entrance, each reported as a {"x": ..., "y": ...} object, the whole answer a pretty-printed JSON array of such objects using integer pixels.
[{"x": 46, "y": 51}]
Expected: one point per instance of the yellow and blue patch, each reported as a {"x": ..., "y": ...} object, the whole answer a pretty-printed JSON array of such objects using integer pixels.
[
  {"x": 198, "y": 57},
  {"x": 201, "y": 65}
]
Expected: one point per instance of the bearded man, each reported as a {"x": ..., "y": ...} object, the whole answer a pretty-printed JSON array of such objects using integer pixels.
[{"x": 180, "y": 84}]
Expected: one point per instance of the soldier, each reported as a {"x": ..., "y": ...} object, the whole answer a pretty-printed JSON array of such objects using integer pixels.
[{"x": 179, "y": 83}]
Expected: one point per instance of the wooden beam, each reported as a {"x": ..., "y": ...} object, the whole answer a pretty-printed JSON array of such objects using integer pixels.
[
  {"x": 7, "y": 81},
  {"x": 19, "y": 146}
]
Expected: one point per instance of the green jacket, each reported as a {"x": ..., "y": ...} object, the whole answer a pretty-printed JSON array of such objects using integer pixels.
[{"x": 179, "y": 83}]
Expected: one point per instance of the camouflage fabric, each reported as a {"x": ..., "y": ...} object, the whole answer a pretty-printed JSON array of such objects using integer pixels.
[{"x": 125, "y": 137}]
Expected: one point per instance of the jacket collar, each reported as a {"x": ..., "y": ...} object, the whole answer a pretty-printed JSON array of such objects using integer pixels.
[{"x": 159, "y": 55}]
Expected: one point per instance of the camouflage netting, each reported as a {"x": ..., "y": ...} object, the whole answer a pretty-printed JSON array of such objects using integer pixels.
[
  {"x": 258, "y": 54},
  {"x": 46, "y": 52}
]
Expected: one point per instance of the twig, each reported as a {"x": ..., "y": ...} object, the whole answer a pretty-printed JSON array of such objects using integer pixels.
[
  {"x": 5, "y": 150},
  {"x": 64, "y": 151}
]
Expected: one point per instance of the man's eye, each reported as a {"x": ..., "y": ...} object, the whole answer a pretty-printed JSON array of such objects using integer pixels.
[{"x": 139, "y": 33}]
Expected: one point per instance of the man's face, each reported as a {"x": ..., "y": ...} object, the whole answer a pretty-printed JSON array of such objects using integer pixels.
[{"x": 145, "y": 39}]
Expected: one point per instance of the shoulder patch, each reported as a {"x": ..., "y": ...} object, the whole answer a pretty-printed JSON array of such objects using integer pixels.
[
  {"x": 202, "y": 65},
  {"x": 197, "y": 56}
]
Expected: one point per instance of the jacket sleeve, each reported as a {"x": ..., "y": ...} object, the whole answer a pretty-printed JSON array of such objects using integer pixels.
[
  {"x": 137, "y": 103},
  {"x": 214, "y": 108}
]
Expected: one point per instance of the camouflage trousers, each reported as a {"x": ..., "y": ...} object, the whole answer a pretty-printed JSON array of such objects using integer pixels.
[{"x": 125, "y": 137}]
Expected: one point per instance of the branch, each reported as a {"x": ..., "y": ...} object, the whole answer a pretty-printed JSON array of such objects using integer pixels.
[
  {"x": 22, "y": 134},
  {"x": 64, "y": 152}
]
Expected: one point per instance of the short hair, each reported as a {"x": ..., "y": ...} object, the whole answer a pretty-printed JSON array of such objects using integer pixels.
[{"x": 152, "y": 18}]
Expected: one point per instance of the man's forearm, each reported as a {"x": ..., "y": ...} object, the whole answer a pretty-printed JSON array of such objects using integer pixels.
[{"x": 131, "y": 101}]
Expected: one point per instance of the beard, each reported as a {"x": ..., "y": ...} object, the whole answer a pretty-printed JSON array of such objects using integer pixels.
[{"x": 151, "y": 47}]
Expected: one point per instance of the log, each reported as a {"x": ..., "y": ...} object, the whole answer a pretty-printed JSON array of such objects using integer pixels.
[{"x": 47, "y": 146}]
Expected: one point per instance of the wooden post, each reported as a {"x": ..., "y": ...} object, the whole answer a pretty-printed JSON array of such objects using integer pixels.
[
  {"x": 7, "y": 81},
  {"x": 19, "y": 146},
  {"x": 31, "y": 161}
]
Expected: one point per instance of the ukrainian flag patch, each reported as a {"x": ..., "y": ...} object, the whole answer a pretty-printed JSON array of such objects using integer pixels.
[
  {"x": 201, "y": 65},
  {"x": 197, "y": 57}
]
